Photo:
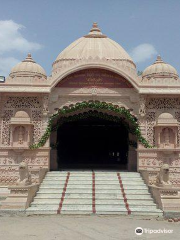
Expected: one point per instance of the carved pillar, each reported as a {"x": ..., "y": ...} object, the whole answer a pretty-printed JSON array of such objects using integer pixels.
[
  {"x": 142, "y": 117},
  {"x": 142, "y": 106},
  {"x": 159, "y": 138},
  {"x": 142, "y": 114},
  {"x": 53, "y": 153},
  {"x": 175, "y": 131},
  {"x": 2, "y": 101},
  {"x": 132, "y": 155},
  {"x": 45, "y": 102}
]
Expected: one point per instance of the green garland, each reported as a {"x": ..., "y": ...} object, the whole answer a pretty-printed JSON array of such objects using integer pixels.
[{"x": 93, "y": 108}]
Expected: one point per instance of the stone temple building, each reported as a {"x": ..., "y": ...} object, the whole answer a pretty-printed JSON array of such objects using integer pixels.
[{"x": 94, "y": 112}]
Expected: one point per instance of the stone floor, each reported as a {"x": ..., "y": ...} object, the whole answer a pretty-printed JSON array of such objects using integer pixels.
[{"x": 64, "y": 227}]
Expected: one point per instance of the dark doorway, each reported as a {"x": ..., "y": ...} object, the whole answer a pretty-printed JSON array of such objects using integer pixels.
[{"x": 92, "y": 143}]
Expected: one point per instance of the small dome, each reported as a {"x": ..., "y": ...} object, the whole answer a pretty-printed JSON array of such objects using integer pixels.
[
  {"x": 165, "y": 115},
  {"x": 21, "y": 114},
  {"x": 93, "y": 45},
  {"x": 166, "y": 119},
  {"x": 28, "y": 67},
  {"x": 160, "y": 69}
]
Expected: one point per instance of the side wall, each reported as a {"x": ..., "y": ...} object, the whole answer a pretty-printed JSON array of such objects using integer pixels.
[
  {"x": 11, "y": 155},
  {"x": 152, "y": 159}
]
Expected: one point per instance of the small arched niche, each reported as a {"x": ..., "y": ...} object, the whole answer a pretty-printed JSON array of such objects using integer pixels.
[
  {"x": 166, "y": 131},
  {"x": 21, "y": 127}
]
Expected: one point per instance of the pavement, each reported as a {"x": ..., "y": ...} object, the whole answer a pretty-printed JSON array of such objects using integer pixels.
[{"x": 76, "y": 227}]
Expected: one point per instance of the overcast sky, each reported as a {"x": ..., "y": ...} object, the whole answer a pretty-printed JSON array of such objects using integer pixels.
[{"x": 144, "y": 28}]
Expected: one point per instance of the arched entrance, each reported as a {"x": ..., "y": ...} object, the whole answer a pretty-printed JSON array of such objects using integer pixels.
[
  {"x": 101, "y": 110},
  {"x": 94, "y": 143},
  {"x": 94, "y": 135}
]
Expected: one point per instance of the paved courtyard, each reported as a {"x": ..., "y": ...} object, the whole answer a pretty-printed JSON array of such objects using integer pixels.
[{"x": 83, "y": 227}]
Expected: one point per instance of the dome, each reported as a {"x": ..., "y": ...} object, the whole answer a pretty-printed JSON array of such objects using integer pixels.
[
  {"x": 166, "y": 118},
  {"x": 165, "y": 115},
  {"x": 160, "y": 69},
  {"x": 93, "y": 45},
  {"x": 28, "y": 67},
  {"x": 21, "y": 114}
]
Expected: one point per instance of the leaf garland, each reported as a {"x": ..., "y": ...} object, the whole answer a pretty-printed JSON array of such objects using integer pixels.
[{"x": 93, "y": 109}]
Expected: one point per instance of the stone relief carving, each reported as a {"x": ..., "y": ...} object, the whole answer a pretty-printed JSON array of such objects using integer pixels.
[
  {"x": 9, "y": 165},
  {"x": 177, "y": 116},
  {"x": 24, "y": 175},
  {"x": 20, "y": 135},
  {"x": 156, "y": 106},
  {"x": 12, "y": 104},
  {"x": 22, "y": 102},
  {"x": 151, "y": 120},
  {"x": 163, "y": 103},
  {"x": 37, "y": 122},
  {"x": 142, "y": 107},
  {"x": 45, "y": 101},
  {"x": 167, "y": 137},
  {"x": 162, "y": 179},
  {"x": 5, "y": 127},
  {"x": 158, "y": 82}
]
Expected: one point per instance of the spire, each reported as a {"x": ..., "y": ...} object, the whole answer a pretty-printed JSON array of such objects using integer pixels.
[
  {"x": 95, "y": 28},
  {"x": 159, "y": 60},
  {"x": 95, "y": 32},
  {"x": 29, "y": 58}
]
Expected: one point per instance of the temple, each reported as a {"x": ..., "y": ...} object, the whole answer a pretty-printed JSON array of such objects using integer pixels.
[{"x": 94, "y": 112}]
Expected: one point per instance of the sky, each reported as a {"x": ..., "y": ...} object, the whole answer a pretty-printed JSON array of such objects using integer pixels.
[{"x": 144, "y": 28}]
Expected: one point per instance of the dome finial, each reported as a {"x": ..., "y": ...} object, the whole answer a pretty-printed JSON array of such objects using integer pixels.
[
  {"x": 29, "y": 55},
  {"x": 95, "y": 32},
  {"x": 29, "y": 58},
  {"x": 159, "y": 60},
  {"x": 95, "y": 27}
]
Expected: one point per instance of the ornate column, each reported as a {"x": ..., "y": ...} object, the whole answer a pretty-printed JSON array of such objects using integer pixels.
[
  {"x": 142, "y": 114},
  {"x": 45, "y": 108},
  {"x": 2, "y": 101}
]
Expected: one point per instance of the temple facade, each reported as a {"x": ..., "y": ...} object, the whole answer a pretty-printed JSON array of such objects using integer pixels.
[{"x": 94, "y": 111}]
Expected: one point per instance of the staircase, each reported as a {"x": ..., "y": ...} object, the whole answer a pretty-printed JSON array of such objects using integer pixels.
[{"x": 98, "y": 192}]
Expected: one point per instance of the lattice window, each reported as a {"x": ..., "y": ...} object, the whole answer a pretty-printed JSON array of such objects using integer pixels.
[
  {"x": 31, "y": 104},
  {"x": 151, "y": 117},
  {"x": 37, "y": 121},
  {"x": 22, "y": 102},
  {"x": 5, "y": 127},
  {"x": 163, "y": 103},
  {"x": 177, "y": 116}
]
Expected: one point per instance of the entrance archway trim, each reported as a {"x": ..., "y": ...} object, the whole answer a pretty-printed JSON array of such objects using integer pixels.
[
  {"x": 130, "y": 76},
  {"x": 111, "y": 109}
]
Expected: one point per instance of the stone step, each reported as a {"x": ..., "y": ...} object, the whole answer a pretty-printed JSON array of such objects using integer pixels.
[
  {"x": 98, "y": 187},
  {"x": 98, "y": 192},
  {"x": 72, "y": 173},
  {"x": 80, "y": 175},
  {"x": 36, "y": 211},
  {"x": 89, "y": 196},
  {"x": 74, "y": 201},
  {"x": 108, "y": 195},
  {"x": 88, "y": 185},
  {"x": 96, "y": 176},
  {"x": 89, "y": 190},
  {"x": 89, "y": 182},
  {"x": 97, "y": 179},
  {"x": 89, "y": 207}
]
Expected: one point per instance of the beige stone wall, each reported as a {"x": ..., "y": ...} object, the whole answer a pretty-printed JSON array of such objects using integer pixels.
[
  {"x": 145, "y": 102},
  {"x": 36, "y": 107},
  {"x": 10, "y": 159},
  {"x": 153, "y": 159}
]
